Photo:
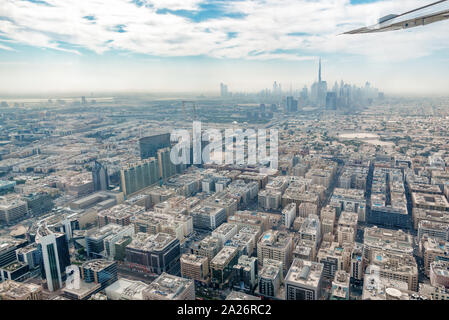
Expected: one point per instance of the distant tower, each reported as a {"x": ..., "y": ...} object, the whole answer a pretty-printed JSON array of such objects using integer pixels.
[
  {"x": 319, "y": 72},
  {"x": 100, "y": 177},
  {"x": 223, "y": 90},
  {"x": 319, "y": 89},
  {"x": 166, "y": 168}
]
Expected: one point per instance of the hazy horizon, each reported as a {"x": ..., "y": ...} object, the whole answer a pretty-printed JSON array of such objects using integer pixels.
[{"x": 190, "y": 46}]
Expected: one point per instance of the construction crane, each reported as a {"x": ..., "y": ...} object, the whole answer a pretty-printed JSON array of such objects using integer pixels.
[{"x": 193, "y": 106}]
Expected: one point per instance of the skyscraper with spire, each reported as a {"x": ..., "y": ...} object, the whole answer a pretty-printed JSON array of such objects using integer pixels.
[
  {"x": 319, "y": 90},
  {"x": 319, "y": 72}
]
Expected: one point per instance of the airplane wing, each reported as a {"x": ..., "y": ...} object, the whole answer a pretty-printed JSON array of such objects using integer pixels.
[{"x": 431, "y": 13}]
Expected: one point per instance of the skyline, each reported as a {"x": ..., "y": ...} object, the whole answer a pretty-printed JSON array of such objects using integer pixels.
[{"x": 193, "y": 46}]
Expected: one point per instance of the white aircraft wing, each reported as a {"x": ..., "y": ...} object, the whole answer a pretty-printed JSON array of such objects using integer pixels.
[{"x": 431, "y": 13}]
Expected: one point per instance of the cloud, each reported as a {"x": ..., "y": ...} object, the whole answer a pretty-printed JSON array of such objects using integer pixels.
[
  {"x": 260, "y": 29},
  {"x": 3, "y": 47}
]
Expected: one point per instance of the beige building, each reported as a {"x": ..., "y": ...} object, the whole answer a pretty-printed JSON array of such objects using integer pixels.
[
  {"x": 208, "y": 247},
  {"x": 395, "y": 241},
  {"x": 434, "y": 292},
  {"x": 400, "y": 267},
  {"x": 169, "y": 287},
  {"x": 345, "y": 235},
  {"x": 431, "y": 249},
  {"x": 306, "y": 209},
  {"x": 120, "y": 214},
  {"x": 12, "y": 290},
  {"x": 327, "y": 218},
  {"x": 194, "y": 267},
  {"x": 334, "y": 257},
  {"x": 276, "y": 245},
  {"x": 430, "y": 201}
]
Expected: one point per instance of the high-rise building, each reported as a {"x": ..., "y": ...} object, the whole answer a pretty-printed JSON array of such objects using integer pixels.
[
  {"x": 291, "y": 105},
  {"x": 100, "y": 177},
  {"x": 433, "y": 229},
  {"x": 331, "y": 101},
  {"x": 223, "y": 90},
  {"x": 138, "y": 176},
  {"x": 16, "y": 270},
  {"x": 395, "y": 241},
  {"x": 166, "y": 167},
  {"x": 319, "y": 90},
  {"x": 304, "y": 95},
  {"x": 55, "y": 256},
  {"x": 150, "y": 145}
]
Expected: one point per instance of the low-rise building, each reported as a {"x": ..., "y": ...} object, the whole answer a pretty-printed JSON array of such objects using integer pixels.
[
  {"x": 170, "y": 287},
  {"x": 12, "y": 290},
  {"x": 195, "y": 267}
]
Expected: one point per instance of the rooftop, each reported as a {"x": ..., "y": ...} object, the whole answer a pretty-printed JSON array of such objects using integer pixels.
[
  {"x": 193, "y": 259},
  {"x": 305, "y": 273},
  {"x": 224, "y": 256},
  {"x": 121, "y": 211},
  {"x": 150, "y": 242},
  {"x": 168, "y": 287},
  {"x": 97, "y": 265},
  {"x": 237, "y": 295}
]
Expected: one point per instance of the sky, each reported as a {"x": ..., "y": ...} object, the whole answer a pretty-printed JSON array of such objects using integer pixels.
[{"x": 52, "y": 46}]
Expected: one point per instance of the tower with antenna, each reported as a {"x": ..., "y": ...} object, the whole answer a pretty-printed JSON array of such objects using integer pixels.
[{"x": 319, "y": 72}]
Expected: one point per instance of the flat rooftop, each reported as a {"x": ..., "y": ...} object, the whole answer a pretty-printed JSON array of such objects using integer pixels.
[
  {"x": 150, "y": 242},
  {"x": 305, "y": 273},
  {"x": 97, "y": 265},
  {"x": 168, "y": 287}
]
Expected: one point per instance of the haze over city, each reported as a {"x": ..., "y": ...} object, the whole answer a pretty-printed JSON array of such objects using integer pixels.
[{"x": 192, "y": 46}]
